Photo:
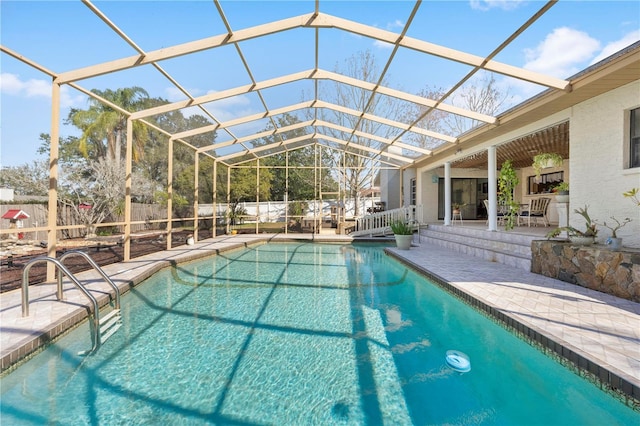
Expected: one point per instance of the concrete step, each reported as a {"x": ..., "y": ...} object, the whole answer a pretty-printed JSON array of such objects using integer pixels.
[{"x": 503, "y": 247}]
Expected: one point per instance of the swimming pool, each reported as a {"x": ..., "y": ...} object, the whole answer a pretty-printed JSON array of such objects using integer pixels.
[{"x": 299, "y": 333}]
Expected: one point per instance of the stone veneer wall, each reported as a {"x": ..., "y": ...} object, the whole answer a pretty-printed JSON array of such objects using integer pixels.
[{"x": 595, "y": 267}]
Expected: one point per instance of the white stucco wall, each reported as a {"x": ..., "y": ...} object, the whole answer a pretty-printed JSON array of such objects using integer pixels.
[
  {"x": 599, "y": 132},
  {"x": 390, "y": 188}
]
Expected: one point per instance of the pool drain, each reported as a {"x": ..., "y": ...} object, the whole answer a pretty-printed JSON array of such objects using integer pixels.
[{"x": 458, "y": 361}]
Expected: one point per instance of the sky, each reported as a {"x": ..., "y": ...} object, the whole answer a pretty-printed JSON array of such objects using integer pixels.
[{"x": 63, "y": 36}]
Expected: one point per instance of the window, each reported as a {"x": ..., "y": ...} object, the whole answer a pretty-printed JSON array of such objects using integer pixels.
[
  {"x": 634, "y": 137},
  {"x": 413, "y": 192},
  {"x": 545, "y": 183}
]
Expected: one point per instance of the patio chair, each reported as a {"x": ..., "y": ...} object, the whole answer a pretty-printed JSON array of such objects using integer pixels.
[
  {"x": 500, "y": 212},
  {"x": 537, "y": 210}
]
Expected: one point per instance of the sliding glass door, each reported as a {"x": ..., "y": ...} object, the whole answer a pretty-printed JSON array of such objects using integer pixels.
[{"x": 470, "y": 193}]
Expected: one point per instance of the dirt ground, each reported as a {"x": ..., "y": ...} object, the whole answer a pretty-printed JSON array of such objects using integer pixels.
[{"x": 11, "y": 271}]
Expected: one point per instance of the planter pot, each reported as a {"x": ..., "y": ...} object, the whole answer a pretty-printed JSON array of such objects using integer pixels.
[
  {"x": 615, "y": 243},
  {"x": 582, "y": 241},
  {"x": 190, "y": 241},
  {"x": 562, "y": 197},
  {"x": 403, "y": 242}
]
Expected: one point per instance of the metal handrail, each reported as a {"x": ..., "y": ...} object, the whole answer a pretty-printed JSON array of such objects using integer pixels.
[
  {"x": 95, "y": 266},
  {"x": 94, "y": 318}
]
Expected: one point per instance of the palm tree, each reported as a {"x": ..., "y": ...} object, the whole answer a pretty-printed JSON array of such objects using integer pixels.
[{"x": 102, "y": 123}]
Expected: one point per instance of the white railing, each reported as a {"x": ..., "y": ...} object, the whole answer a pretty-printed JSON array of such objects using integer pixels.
[{"x": 380, "y": 223}]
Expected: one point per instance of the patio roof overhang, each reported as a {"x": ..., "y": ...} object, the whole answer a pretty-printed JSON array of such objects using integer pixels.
[
  {"x": 469, "y": 151},
  {"x": 353, "y": 138}
]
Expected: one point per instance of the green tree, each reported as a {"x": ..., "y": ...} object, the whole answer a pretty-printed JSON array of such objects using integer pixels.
[
  {"x": 302, "y": 178},
  {"x": 104, "y": 128}
]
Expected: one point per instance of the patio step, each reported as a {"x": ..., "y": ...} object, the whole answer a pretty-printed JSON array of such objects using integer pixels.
[{"x": 508, "y": 248}]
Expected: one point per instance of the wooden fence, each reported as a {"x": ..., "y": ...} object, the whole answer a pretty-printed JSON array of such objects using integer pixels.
[{"x": 147, "y": 213}]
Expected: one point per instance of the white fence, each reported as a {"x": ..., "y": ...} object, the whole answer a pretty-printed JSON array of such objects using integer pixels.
[
  {"x": 275, "y": 211},
  {"x": 380, "y": 223}
]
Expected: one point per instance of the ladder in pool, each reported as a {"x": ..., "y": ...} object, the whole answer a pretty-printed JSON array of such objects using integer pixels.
[{"x": 101, "y": 328}]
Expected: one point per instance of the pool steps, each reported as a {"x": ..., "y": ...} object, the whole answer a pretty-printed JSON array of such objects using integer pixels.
[
  {"x": 109, "y": 324},
  {"x": 100, "y": 328},
  {"x": 510, "y": 248}
]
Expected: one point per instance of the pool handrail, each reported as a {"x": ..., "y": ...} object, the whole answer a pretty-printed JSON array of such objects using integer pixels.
[
  {"x": 95, "y": 266},
  {"x": 94, "y": 317}
]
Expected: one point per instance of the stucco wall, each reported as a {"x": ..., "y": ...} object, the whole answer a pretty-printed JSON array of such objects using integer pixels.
[
  {"x": 390, "y": 188},
  {"x": 599, "y": 132}
]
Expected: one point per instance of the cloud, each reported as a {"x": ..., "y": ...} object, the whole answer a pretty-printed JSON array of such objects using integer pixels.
[
  {"x": 223, "y": 109},
  {"x": 11, "y": 84},
  {"x": 395, "y": 24},
  {"x": 561, "y": 53},
  {"x": 382, "y": 44},
  {"x": 615, "y": 46},
  {"x": 391, "y": 26},
  {"x": 485, "y": 5}
]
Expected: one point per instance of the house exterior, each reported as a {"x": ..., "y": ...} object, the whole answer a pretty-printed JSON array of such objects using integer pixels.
[{"x": 596, "y": 128}]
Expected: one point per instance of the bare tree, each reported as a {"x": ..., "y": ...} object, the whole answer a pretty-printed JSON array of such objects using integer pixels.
[
  {"x": 482, "y": 95},
  {"x": 427, "y": 119},
  {"x": 357, "y": 166},
  {"x": 95, "y": 190},
  {"x": 26, "y": 179}
]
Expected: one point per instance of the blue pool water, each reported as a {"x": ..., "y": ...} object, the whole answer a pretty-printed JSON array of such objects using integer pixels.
[{"x": 300, "y": 334}]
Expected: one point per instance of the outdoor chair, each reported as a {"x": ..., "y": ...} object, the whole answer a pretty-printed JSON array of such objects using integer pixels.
[
  {"x": 537, "y": 209},
  {"x": 500, "y": 212}
]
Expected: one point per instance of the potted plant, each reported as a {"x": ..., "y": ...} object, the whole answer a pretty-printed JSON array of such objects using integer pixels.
[
  {"x": 614, "y": 241},
  {"x": 586, "y": 237},
  {"x": 507, "y": 182},
  {"x": 455, "y": 207},
  {"x": 546, "y": 160},
  {"x": 403, "y": 233},
  {"x": 562, "y": 192}
]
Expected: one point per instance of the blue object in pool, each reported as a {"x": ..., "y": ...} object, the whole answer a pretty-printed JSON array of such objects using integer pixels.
[{"x": 458, "y": 361}]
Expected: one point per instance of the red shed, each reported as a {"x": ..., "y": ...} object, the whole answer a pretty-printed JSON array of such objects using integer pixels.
[
  {"x": 15, "y": 214},
  {"x": 16, "y": 217}
]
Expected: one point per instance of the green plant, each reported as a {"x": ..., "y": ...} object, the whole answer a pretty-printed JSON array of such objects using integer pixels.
[
  {"x": 590, "y": 226},
  {"x": 236, "y": 214},
  {"x": 540, "y": 161},
  {"x": 399, "y": 227},
  {"x": 457, "y": 206},
  {"x": 562, "y": 186},
  {"x": 507, "y": 181},
  {"x": 633, "y": 194},
  {"x": 618, "y": 225}
]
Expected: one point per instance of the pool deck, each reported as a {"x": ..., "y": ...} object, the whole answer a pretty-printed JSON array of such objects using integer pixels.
[{"x": 598, "y": 332}]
